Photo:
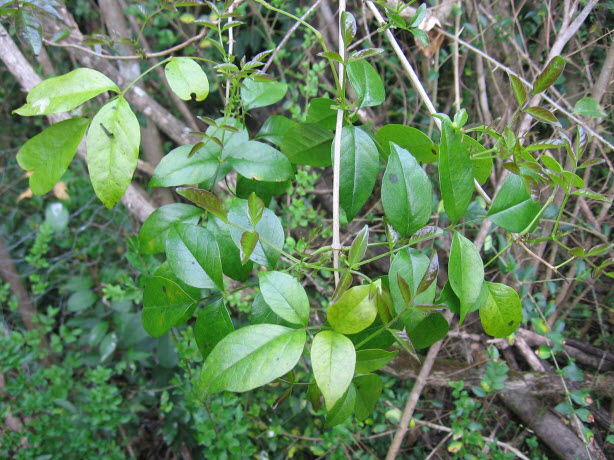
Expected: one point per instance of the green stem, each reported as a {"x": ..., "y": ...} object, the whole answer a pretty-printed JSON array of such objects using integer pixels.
[
  {"x": 143, "y": 74},
  {"x": 541, "y": 211}
]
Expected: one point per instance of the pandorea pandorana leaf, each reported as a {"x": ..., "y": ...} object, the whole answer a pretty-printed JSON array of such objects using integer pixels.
[
  {"x": 342, "y": 409},
  {"x": 194, "y": 256},
  {"x": 178, "y": 168},
  {"x": 308, "y": 144},
  {"x": 186, "y": 77},
  {"x": 113, "y": 141},
  {"x": 513, "y": 209},
  {"x": 372, "y": 360},
  {"x": 50, "y": 153},
  {"x": 286, "y": 297},
  {"x": 249, "y": 240},
  {"x": 274, "y": 128},
  {"x": 550, "y": 74},
  {"x": 465, "y": 272},
  {"x": 366, "y": 83},
  {"x": 368, "y": 389},
  {"x": 455, "y": 173},
  {"x": 212, "y": 325},
  {"x": 319, "y": 111},
  {"x": 251, "y": 357},
  {"x": 354, "y": 311},
  {"x": 411, "y": 139},
  {"x": 229, "y": 252},
  {"x": 502, "y": 312},
  {"x": 333, "y": 359},
  {"x": 359, "y": 169},
  {"x": 259, "y": 161},
  {"x": 66, "y": 92},
  {"x": 204, "y": 199},
  {"x": 261, "y": 93},
  {"x": 429, "y": 330},
  {"x": 519, "y": 92},
  {"x": 29, "y": 29},
  {"x": 412, "y": 266},
  {"x": 153, "y": 233},
  {"x": 165, "y": 305},
  {"x": 407, "y": 193},
  {"x": 359, "y": 246}
]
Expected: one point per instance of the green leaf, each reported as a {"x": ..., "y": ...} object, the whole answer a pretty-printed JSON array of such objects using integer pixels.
[
  {"x": 502, "y": 312},
  {"x": 342, "y": 409},
  {"x": 66, "y": 92},
  {"x": 29, "y": 29},
  {"x": 359, "y": 246},
  {"x": 319, "y": 111},
  {"x": 178, "y": 168},
  {"x": 212, "y": 325},
  {"x": 264, "y": 190},
  {"x": 431, "y": 329},
  {"x": 153, "y": 233},
  {"x": 333, "y": 359},
  {"x": 81, "y": 300},
  {"x": 366, "y": 83},
  {"x": 598, "y": 250},
  {"x": 308, "y": 144},
  {"x": 430, "y": 275},
  {"x": 249, "y": 240},
  {"x": 364, "y": 54},
  {"x": 544, "y": 115},
  {"x": 259, "y": 161},
  {"x": 368, "y": 389},
  {"x": 261, "y": 313},
  {"x": 255, "y": 207},
  {"x": 286, "y": 297},
  {"x": 518, "y": 87},
  {"x": 587, "y": 193},
  {"x": 411, "y": 265},
  {"x": 455, "y": 173},
  {"x": 359, "y": 169},
  {"x": 332, "y": 55},
  {"x": 550, "y": 74},
  {"x": 345, "y": 281},
  {"x": 194, "y": 256},
  {"x": 411, "y": 139},
  {"x": 482, "y": 165},
  {"x": 274, "y": 128},
  {"x": 348, "y": 27},
  {"x": 260, "y": 94},
  {"x": 418, "y": 16},
  {"x": 407, "y": 193},
  {"x": 551, "y": 163},
  {"x": 513, "y": 209},
  {"x": 269, "y": 228},
  {"x": 589, "y": 107},
  {"x": 204, "y": 199},
  {"x": 186, "y": 77},
  {"x": 113, "y": 141},
  {"x": 465, "y": 272},
  {"x": 164, "y": 305},
  {"x": 372, "y": 360},
  {"x": 229, "y": 252},
  {"x": 251, "y": 357},
  {"x": 354, "y": 311},
  {"x": 50, "y": 153}
]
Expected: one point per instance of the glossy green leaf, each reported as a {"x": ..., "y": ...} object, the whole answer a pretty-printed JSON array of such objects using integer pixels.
[
  {"x": 194, "y": 256},
  {"x": 589, "y": 107},
  {"x": 359, "y": 169},
  {"x": 113, "y": 140},
  {"x": 333, "y": 359},
  {"x": 331, "y": 55},
  {"x": 285, "y": 295},
  {"x": 411, "y": 265},
  {"x": 342, "y": 409},
  {"x": 212, "y": 325},
  {"x": 518, "y": 87},
  {"x": 430, "y": 275},
  {"x": 260, "y": 94},
  {"x": 264, "y": 190},
  {"x": 186, "y": 77},
  {"x": 587, "y": 193},
  {"x": 465, "y": 272},
  {"x": 512, "y": 208},
  {"x": 359, "y": 246},
  {"x": 229, "y": 252},
  {"x": 348, "y": 27},
  {"x": 153, "y": 233},
  {"x": 255, "y": 208},
  {"x": 502, "y": 312},
  {"x": 251, "y": 357},
  {"x": 368, "y": 389},
  {"x": 66, "y": 92},
  {"x": 364, "y": 54},
  {"x": 551, "y": 163},
  {"x": 308, "y": 144},
  {"x": 455, "y": 173},
  {"x": 205, "y": 200},
  {"x": 164, "y": 305},
  {"x": 345, "y": 281},
  {"x": 50, "y": 153},
  {"x": 261, "y": 313},
  {"x": 406, "y": 291},
  {"x": 482, "y": 164},
  {"x": 449, "y": 298},
  {"x": 227, "y": 138},
  {"x": 372, "y": 360},
  {"x": 429, "y": 330},
  {"x": 405, "y": 343},
  {"x": 28, "y": 29},
  {"x": 366, "y": 83},
  {"x": 269, "y": 228},
  {"x": 178, "y": 168},
  {"x": 354, "y": 311},
  {"x": 411, "y": 139},
  {"x": 407, "y": 193},
  {"x": 544, "y": 115},
  {"x": 274, "y": 129},
  {"x": 598, "y": 250},
  {"x": 549, "y": 75},
  {"x": 249, "y": 240},
  {"x": 259, "y": 161},
  {"x": 319, "y": 111}
]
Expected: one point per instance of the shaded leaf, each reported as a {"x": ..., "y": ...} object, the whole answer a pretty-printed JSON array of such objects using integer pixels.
[
  {"x": 411, "y": 139},
  {"x": 541, "y": 114},
  {"x": 367, "y": 84},
  {"x": 549, "y": 75},
  {"x": 164, "y": 305},
  {"x": 518, "y": 87},
  {"x": 372, "y": 360},
  {"x": 368, "y": 389},
  {"x": 466, "y": 272},
  {"x": 212, "y": 325},
  {"x": 589, "y": 107},
  {"x": 256, "y": 94},
  {"x": 308, "y": 144},
  {"x": 229, "y": 252},
  {"x": 513, "y": 208},
  {"x": 29, "y": 29},
  {"x": 274, "y": 128},
  {"x": 153, "y": 233},
  {"x": 342, "y": 409},
  {"x": 204, "y": 199}
]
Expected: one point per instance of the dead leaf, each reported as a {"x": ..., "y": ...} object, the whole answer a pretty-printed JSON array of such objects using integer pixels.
[
  {"x": 59, "y": 190},
  {"x": 25, "y": 194}
]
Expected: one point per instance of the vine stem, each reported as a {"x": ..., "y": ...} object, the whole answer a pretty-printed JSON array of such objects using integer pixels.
[{"x": 336, "y": 245}]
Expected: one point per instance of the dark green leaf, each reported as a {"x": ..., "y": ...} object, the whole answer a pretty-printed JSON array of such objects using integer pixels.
[
  {"x": 286, "y": 297},
  {"x": 308, "y": 144},
  {"x": 589, "y": 107},
  {"x": 372, "y": 360},
  {"x": 411, "y": 265},
  {"x": 404, "y": 289},
  {"x": 465, "y": 272},
  {"x": 405, "y": 343},
  {"x": 364, "y": 54},
  {"x": 164, "y": 305},
  {"x": 367, "y": 84},
  {"x": 332, "y": 55},
  {"x": 66, "y": 92},
  {"x": 431, "y": 329},
  {"x": 333, "y": 359},
  {"x": 152, "y": 237},
  {"x": 249, "y": 240},
  {"x": 587, "y": 193},
  {"x": 186, "y": 77},
  {"x": 265, "y": 190},
  {"x": 251, "y": 357},
  {"x": 259, "y": 161},
  {"x": 342, "y": 409},
  {"x": 345, "y": 281},
  {"x": 229, "y": 252},
  {"x": 430, "y": 275},
  {"x": 359, "y": 246},
  {"x": 359, "y": 169},
  {"x": 29, "y": 29},
  {"x": 260, "y": 94},
  {"x": 113, "y": 141},
  {"x": 368, "y": 389},
  {"x": 518, "y": 87},
  {"x": 81, "y": 300},
  {"x": 274, "y": 128},
  {"x": 598, "y": 250},
  {"x": 353, "y": 312},
  {"x": 502, "y": 312},
  {"x": 348, "y": 27},
  {"x": 319, "y": 111},
  {"x": 407, "y": 193},
  {"x": 550, "y": 74},
  {"x": 179, "y": 168},
  {"x": 50, "y": 153},
  {"x": 482, "y": 165},
  {"x": 204, "y": 199},
  {"x": 212, "y": 325},
  {"x": 541, "y": 114},
  {"x": 513, "y": 209}
]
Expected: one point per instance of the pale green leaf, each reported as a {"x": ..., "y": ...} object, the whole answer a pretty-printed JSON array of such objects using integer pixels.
[
  {"x": 186, "y": 77},
  {"x": 502, "y": 312},
  {"x": 260, "y": 94},
  {"x": 354, "y": 311},
  {"x": 465, "y": 272},
  {"x": 286, "y": 297}
]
